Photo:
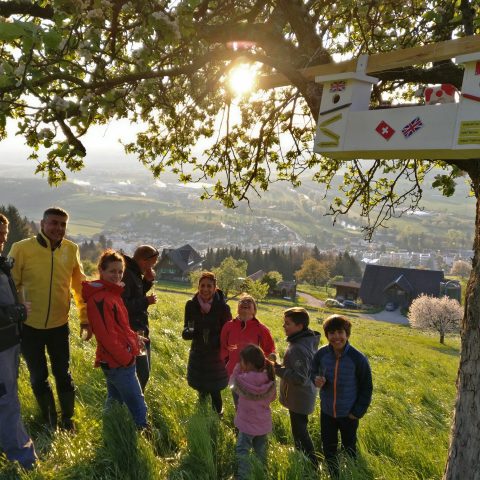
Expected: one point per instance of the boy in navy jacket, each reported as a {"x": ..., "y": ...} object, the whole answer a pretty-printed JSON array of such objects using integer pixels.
[{"x": 345, "y": 380}]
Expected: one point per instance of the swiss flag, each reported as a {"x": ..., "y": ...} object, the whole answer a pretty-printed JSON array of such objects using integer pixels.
[{"x": 385, "y": 130}]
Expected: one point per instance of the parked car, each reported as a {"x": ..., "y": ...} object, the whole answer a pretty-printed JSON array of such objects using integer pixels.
[
  {"x": 390, "y": 307},
  {"x": 350, "y": 304},
  {"x": 331, "y": 302}
]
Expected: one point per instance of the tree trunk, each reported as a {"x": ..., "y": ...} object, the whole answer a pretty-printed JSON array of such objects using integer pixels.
[
  {"x": 442, "y": 339},
  {"x": 463, "y": 456}
]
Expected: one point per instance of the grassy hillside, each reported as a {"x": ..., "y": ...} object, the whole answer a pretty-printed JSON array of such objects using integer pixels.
[{"x": 403, "y": 436}]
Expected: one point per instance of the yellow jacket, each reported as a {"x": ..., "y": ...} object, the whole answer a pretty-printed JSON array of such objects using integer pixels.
[{"x": 44, "y": 277}]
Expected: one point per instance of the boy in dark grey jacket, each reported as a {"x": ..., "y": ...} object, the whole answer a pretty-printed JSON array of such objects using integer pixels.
[
  {"x": 297, "y": 392},
  {"x": 343, "y": 374}
]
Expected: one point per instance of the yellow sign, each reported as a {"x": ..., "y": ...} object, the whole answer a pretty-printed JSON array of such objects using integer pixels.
[
  {"x": 469, "y": 132},
  {"x": 328, "y": 133}
]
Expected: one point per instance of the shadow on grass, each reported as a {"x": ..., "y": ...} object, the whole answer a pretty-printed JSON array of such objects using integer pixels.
[{"x": 447, "y": 350}]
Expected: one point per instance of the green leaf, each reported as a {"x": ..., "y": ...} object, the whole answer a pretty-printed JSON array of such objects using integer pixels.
[
  {"x": 10, "y": 31},
  {"x": 6, "y": 81},
  {"x": 52, "y": 39}
]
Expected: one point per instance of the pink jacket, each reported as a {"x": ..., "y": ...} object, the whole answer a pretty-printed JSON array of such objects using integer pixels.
[
  {"x": 255, "y": 394},
  {"x": 236, "y": 335}
]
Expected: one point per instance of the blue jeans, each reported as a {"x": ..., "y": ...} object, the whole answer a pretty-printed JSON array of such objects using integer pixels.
[
  {"x": 245, "y": 443},
  {"x": 14, "y": 440},
  {"x": 123, "y": 387}
]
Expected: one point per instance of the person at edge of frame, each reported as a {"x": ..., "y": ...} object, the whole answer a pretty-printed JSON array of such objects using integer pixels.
[{"x": 14, "y": 440}]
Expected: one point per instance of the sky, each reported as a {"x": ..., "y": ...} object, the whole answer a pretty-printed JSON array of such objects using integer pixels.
[{"x": 101, "y": 142}]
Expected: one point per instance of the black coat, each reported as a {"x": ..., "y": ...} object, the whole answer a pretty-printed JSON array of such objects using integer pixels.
[
  {"x": 12, "y": 313},
  {"x": 135, "y": 295},
  {"x": 206, "y": 370}
]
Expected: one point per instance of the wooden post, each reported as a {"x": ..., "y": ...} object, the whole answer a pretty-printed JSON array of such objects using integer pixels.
[{"x": 381, "y": 62}]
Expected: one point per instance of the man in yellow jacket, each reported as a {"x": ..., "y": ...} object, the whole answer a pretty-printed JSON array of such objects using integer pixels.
[{"x": 46, "y": 269}]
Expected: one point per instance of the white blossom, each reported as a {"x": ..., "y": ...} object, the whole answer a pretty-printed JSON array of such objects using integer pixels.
[
  {"x": 45, "y": 133},
  {"x": 96, "y": 13},
  {"x": 20, "y": 70},
  {"x": 59, "y": 103}
]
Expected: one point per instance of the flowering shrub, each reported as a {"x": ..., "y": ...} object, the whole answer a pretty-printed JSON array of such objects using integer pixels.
[{"x": 442, "y": 315}]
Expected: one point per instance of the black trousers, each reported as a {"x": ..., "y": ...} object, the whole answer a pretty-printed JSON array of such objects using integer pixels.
[
  {"x": 143, "y": 366},
  {"x": 330, "y": 427},
  {"x": 216, "y": 397},
  {"x": 56, "y": 342},
  {"x": 301, "y": 437}
]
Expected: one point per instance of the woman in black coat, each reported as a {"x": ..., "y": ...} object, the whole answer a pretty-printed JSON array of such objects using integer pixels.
[{"x": 205, "y": 315}]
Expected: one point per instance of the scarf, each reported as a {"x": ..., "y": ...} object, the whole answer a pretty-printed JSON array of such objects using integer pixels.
[{"x": 204, "y": 306}]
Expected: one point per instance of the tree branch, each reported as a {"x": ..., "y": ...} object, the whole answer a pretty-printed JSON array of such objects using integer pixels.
[{"x": 8, "y": 9}]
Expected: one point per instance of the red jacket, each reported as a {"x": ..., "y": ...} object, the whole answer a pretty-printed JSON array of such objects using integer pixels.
[
  {"x": 117, "y": 343},
  {"x": 236, "y": 335}
]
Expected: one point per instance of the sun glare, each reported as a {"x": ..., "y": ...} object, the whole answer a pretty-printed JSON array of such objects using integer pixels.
[{"x": 241, "y": 79}]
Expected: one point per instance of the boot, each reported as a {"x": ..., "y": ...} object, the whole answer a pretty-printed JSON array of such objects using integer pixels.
[
  {"x": 46, "y": 402},
  {"x": 67, "y": 404}
]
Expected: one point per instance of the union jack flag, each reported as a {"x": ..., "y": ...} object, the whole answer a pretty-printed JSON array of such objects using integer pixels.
[
  {"x": 337, "y": 86},
  {"x": 410, "y": 128}
]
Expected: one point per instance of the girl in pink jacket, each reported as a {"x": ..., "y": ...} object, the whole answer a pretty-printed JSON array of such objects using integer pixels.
[{"x": 253, "y": 380}]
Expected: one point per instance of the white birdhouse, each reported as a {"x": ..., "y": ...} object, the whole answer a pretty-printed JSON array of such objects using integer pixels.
[{"x": 347, "y": 129}]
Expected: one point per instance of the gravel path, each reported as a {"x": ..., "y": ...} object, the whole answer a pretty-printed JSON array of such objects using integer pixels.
[
  {"x": 390, "y": 317},
  {"x": 312, "y": 301},
  {"x": 384, "y": 316}
]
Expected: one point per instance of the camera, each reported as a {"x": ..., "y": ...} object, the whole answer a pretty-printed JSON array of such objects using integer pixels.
[{"x": 6, "y": 264}]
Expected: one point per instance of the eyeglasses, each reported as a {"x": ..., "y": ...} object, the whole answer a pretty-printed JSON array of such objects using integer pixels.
[
  {"x": 245, "y": 302},
  {"x": 155, "y": 254}
]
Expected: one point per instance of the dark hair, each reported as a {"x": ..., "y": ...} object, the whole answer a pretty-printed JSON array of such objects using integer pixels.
[
  {"x": 337, "y": 322},
  {"x": 298, "y": 315},
  {"x": 209, "y": 276},
  {"x": 3, "y": 219},
  {"x": 55, "y": 211},
  {"x": 254, "y": 355},
  {"x": 109, "y": 256},
  {"x": 145, "y": 252}
]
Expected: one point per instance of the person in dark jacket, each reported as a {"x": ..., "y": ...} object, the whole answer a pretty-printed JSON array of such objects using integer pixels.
[
  {"x": 138, "y": 279},
  {"x": 205, "y": 315},
  {"x": 344, "y": 377},
  {"x": 297, "y": 392},
  {"x": 14, "y": 440}
]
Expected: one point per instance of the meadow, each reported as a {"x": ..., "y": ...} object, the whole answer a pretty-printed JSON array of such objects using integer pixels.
[{"x": 403, "y": 436}]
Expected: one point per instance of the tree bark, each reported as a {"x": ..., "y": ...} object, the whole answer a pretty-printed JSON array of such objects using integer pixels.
[
  {"x": 463, "y": 456},
  {"x": 442, "y": 339}
]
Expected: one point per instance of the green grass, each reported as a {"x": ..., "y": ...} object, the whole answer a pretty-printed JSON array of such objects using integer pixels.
[
  {"x": 403, "y": 436},
  {"x": 321, "y": 293},
  {"x": 179, "y": 287}
]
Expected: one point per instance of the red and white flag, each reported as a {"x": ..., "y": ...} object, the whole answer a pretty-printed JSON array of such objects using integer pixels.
[
  {"x": 410, "y": 128},
  {"x": 385, "y": 130},
  {"x": 338, "y": 86}
]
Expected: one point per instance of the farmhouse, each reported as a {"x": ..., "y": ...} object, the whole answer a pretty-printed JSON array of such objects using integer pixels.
[
  {"x": 346, "y": 290},
  {"x": 382, "y": 284},
  {"x": 176, "y": 263}
]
